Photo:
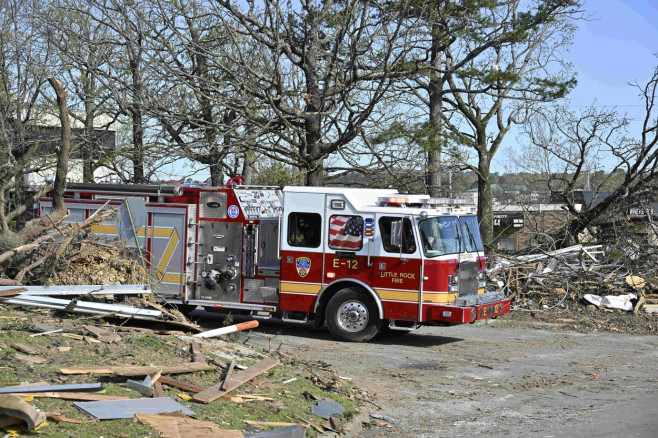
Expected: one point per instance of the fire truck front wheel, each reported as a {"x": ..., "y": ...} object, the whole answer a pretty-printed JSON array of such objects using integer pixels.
[{"x": 352, "y": 316}]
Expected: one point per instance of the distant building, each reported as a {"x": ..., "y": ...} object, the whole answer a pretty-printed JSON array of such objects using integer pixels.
[{"x": 47, "y": 130}]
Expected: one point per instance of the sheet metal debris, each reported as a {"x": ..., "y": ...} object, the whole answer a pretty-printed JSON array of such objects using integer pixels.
[
  {"x": 81, "y": 306},
  {"x": 115, "y": 409},
  {"x": 294, "y": 431},
  {"x": 92, "y": 289},
  {"x": 52, "y": 388},
  {"x": 327, "y": 408}
]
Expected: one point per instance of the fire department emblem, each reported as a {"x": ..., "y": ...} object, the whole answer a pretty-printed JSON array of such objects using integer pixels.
[{"x": 303, "y": 266}]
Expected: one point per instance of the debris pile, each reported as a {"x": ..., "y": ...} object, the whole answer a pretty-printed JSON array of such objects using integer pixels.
[
  {"x": 97, "y": 263},
  {"x": 81, "y": 376},
  {"x": 574, "y": 276}
]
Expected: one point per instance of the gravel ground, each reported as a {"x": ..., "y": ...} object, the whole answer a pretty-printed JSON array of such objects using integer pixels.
[{"x": 506, "y": 378}]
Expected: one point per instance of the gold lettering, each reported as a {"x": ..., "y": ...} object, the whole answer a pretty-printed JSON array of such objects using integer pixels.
[{"x": 335, "y": 263}]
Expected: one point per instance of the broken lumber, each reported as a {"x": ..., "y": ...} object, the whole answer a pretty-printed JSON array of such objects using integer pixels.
[
  {"x": 31, "y": 359},
  {"x": 103, "y": 335},
  {"x": 197, "y": 356},
  {"x": 180, "y": 385},
  {"x": 216, "y": 391},
  {"x": 157, "y": 390},
  {"x": 12, "y": 292},
  {"x": 173, "y": 427},
  {"x": 27, "y": 349},
  {"x": 137, "y": 370}
]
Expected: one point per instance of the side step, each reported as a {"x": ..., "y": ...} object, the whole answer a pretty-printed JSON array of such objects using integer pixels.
[{"x": 294, "y": 317}]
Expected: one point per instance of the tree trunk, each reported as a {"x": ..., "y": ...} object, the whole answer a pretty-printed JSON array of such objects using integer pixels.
[
  {"x": 138, "y": 146},
  {"x": 88, "y": 140},
  {"x": 63, "y": 156},
  {"x": 216, "y": 171},
  {"x": 433, "y": 180},
  {"x": 137, "y": 113},
  {"x": 248, "y": 166},
  {"x": 485, "y": 208},
  {"x": 315, "y": 176}
]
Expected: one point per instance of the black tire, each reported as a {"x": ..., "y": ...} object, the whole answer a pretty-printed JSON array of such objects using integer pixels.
[
  {"x": 352, "y": 316},
  {"x": 186, "y": 309}
]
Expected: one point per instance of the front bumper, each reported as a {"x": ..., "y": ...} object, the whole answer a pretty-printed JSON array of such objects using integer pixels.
[{"x": 469, "y": 308}]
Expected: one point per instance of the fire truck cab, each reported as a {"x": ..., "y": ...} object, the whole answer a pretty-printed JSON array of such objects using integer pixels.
[{"x": 363, "y": 261}]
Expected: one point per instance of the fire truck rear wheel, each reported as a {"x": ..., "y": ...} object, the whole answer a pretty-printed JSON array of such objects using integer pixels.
[{"x": 352, "y": 316}]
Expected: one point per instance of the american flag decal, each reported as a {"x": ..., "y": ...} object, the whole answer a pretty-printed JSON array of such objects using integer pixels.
[{"x": 345, "y": 232}]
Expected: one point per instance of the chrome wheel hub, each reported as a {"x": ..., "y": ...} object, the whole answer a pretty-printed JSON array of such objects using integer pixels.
[{"x": 353, "y": 316}]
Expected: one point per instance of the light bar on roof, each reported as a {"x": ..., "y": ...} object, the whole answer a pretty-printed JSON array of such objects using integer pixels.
[
  {"x": 400, "y": 200},
  {"x": 446, "y": 201}
]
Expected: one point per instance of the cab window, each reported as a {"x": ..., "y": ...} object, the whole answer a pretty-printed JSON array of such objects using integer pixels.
[
  {"x": 408, "y": 241},
  {"x": 304, "y": 229}
]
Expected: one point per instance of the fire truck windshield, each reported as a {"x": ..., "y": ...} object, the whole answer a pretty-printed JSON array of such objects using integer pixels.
[{"x": 450, "y": 235}]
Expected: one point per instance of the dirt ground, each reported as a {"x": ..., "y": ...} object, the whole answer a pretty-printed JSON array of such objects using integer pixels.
[{"x": 515, "y": 376}]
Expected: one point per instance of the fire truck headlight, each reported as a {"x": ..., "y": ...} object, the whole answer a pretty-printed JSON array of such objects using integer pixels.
[
  {"x": 482, "y": 279},
  {"x": 453, "y": 283}
]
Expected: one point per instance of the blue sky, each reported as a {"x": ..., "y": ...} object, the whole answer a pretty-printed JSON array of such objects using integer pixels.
[{"x": 617, "y": 45}]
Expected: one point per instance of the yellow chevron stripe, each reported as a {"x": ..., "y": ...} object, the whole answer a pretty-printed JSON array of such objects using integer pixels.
[
  {"x": 397, "y": 295},
  {"x": 166, "y": 256},
  {"x": 171, "y": 278},
  {"x": 300, "y": 288},
  {"x": 169, "y": 233}
]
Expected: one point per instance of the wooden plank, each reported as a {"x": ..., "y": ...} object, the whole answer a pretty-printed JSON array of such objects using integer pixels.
[
  {"x": 216, "y": 391},
  {"x": 103, "y": 335},
  {"x": 197, "y": 356},
  {"x": 175, "y": 427},
  {"x": 27, "y": 349},
  {"x": 180, "y": 385},
  {"x": 81, "y": 396},
  {"x": 12, "y": 292},
  {"x": 228, "y": 373},
  {"x": 157, "y": 390},
  {"x": 31, "y": 359},
  {"x": 136, "y": 370}
]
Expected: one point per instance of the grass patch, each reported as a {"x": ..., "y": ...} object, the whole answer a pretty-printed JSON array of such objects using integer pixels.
[{"x": 289, "y": 400}]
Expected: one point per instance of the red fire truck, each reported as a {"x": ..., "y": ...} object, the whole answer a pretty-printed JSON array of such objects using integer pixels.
[{"x": 361, "y": 260}]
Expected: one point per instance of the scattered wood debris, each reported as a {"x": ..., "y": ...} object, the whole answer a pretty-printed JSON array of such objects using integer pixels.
[
  {"x": 174, "y": 427},
  {"x": 214, "y": 392},
  {"x": 551, "y": 279}
]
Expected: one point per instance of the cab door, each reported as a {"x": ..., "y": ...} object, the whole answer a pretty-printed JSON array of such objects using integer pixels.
[{"x": 397, "y": 267}]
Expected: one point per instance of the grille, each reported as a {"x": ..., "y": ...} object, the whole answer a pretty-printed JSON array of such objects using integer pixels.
[{"x": 468, "y": 278}]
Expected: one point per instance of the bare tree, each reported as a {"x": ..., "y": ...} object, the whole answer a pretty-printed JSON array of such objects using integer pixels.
[
  {"x": 311, "y": 75},
  {"x": 192, "y": 98},
  {"x": 23, "y": 69},
  {"x": 500, "y": 88},
  {"x": 572, "y": 143},
  {"x": 84, "y": 53}
]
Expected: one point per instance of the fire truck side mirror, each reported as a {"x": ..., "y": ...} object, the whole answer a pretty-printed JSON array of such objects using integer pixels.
[{"x": 396, "y": 233}]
